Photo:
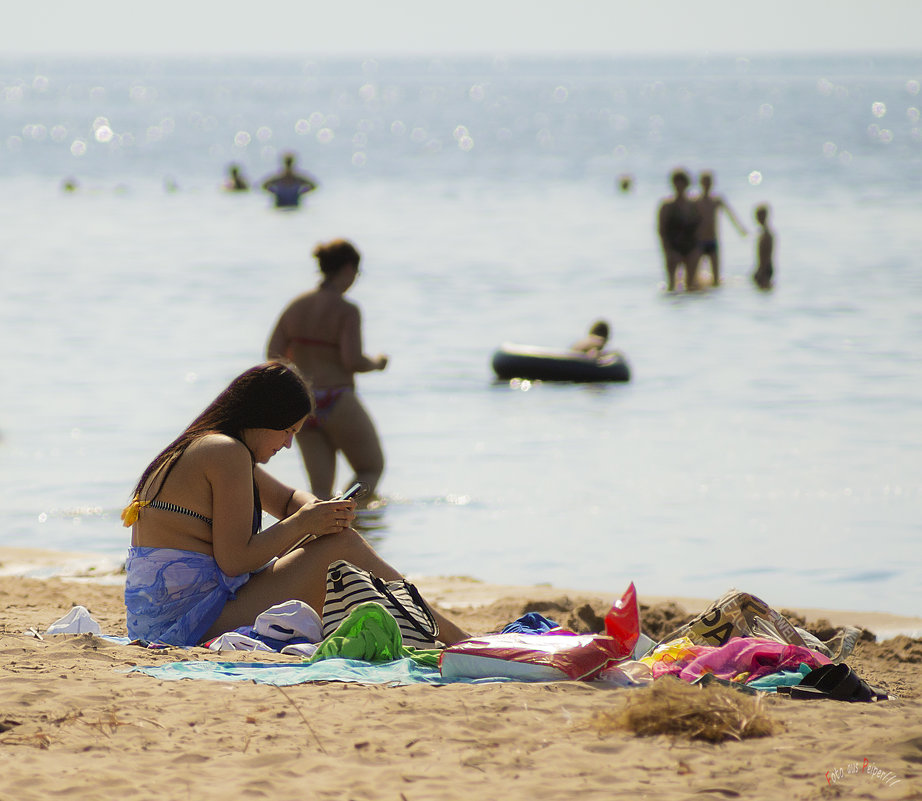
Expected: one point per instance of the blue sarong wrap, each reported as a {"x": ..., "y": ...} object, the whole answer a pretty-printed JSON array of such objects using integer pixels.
[{"x": 174, "y": 596}]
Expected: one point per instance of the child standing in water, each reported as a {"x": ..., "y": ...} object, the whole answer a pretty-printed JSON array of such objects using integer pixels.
[{"x": 764, "y": 250}]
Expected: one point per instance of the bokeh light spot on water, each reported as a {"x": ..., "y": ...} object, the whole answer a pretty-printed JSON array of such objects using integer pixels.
[
  {"x": 561, "y": 94},
  {"x": 912, "y": 114},
  {"x": 466, "y": 143},
  {"x": 98, "y": 93},
  {"x": 359, "y": 139},
  {"x": 13, "y": 143},
  {"x": 368, "y": 92},
  {"x": 302, "y": 127},
  {"x": 418, "y": 135},
  {"x": 78, "y": 147},
  {"x": 912, "y": 86},
  {"x": 398, "y": 128},
  {"x": 138, "y": 93},
  {"x": 40, "y": 83},
  {"x": 619, "y": 152},
  {"x": 619, "y": 122},
  {"x": 824, "y": 86},
  {"x": 325, "y": 136},
  {"x": 459, "y": 132},
  {"x": 264, "y": 133},
  {"x": 829, "y": 149},
  {"x": 59, "y": 133},
  {"x": 35, "y": 131},
  {"x": 13, "y": 94},
  {"x": 359, "y": 159},
  {"x": 878, "y": 109},
  {"x": 766, "y": 111},
  {"x": 755, "y": 178},
  {"x": 104, "y": 134},
  {"x": 545, "y": 138},
  {"x": 845, "y": 157},
  {"x": 242, "y": 139},
  {"x": 885, "y": 136},
  {"x": 476, "y": 93}
]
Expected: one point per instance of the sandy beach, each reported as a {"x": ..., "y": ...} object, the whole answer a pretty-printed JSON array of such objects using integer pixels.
[{"x": 75, "y": 723}]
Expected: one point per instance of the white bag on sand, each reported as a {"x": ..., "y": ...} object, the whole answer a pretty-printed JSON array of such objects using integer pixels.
[{"x": 77, "y": 621}]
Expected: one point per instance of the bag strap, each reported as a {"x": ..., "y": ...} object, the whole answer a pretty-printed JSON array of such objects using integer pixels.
[{"x": 382, "y": 587}]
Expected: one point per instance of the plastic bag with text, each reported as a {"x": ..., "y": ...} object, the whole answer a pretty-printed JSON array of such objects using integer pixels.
[{"x": 737, "y": 614}]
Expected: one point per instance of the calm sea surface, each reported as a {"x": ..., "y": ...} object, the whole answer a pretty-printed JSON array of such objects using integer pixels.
[{"x": 767, "y": 441}]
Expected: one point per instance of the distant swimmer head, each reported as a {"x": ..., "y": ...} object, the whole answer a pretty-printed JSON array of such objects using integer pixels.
[
  {"x": 625, "y": 182},
  {"x": 761, "y": 214},
  {"x": 600, "y": 329},
  {"x": 335, "y": 255},
  {"x": 706, "y": 179},
  {"x": 288, "y": 159}
]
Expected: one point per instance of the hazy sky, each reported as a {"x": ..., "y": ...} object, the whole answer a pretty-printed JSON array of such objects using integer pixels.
[{"x": 432, "y": 26}]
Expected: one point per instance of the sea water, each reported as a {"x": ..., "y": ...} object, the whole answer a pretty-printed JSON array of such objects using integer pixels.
[{"x": 766, "y": 441}]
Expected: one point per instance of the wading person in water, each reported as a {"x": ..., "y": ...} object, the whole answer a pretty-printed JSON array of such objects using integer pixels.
[
  {"x": 288, "y": 185},
  {"x": 708, "y": 207},
  {"x": 677, "y": 225},
  {"x": 765, "y": 247},
  {"x": 321, "y": 332}
]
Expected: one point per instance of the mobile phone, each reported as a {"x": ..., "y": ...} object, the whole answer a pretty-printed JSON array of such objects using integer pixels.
[{"x": 354, "y": 492}]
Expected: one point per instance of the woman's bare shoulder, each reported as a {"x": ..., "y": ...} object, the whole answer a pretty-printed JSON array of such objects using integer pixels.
[{"x": 218, "y": 446}]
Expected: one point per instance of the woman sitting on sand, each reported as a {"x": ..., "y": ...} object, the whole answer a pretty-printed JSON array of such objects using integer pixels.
[
  {"x": 321, "y": 332},
  {"x": 199, "y": 565}
]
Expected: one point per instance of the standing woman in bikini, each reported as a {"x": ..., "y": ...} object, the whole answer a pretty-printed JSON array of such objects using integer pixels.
[{"x": 321, "y": 332}]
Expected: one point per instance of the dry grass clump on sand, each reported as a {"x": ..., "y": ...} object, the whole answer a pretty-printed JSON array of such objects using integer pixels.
[{"x": 670, "y": 706}]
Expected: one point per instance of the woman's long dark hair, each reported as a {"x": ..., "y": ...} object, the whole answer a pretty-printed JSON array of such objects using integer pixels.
[{"x": 271, "y": 395}]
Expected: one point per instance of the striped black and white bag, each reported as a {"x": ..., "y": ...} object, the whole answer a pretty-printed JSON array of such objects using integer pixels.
[{"x": 348, "y": 586}]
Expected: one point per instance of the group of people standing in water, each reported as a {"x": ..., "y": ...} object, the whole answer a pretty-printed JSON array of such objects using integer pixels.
[
  {"x": 287, "y": 186},
  {"x": 687, "y": 228}
]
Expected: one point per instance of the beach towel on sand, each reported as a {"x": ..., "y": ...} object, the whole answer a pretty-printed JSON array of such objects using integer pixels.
[
  {"x": 749, "y": 657},
  {"x": 173, "y": 596}
]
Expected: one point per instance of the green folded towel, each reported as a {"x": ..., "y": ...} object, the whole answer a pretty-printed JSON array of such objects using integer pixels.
[{"x": 371, "y": 634}]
